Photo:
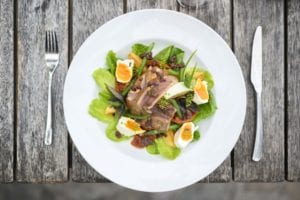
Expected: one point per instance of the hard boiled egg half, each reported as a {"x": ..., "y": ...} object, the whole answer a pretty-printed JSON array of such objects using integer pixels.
[
  {"x": 184, "y": 135},
  {"x": 201, "y": 95},
  {"x": 124, "y": 70},
  {"x": 129, "y": 127}
]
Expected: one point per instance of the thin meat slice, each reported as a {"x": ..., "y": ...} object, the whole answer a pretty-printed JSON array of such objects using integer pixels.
[
  {"x": 157, "y": 91},
  {"x": 148, "y": 89},
  {"x": 159, "y": 119}
]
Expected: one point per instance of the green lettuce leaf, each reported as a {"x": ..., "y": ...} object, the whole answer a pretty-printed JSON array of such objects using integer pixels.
[
  {"x": 176, "y": 51},
  {"x": 97, "y": 110},
  {"x": 209, "y": 79},
  {"x": 164, "y": 55},
  {"x": 103, "y": 77},
  {"x": 179, "y": 53},
  {"x": 111, "y": 61},
  {"x": 139, "y": 48},
  {"x": 166, "y": 151},
  {"x": 152, "y": 149},
  {"x": 105, "y": 95},
  {"x": 206, "y": 110},
  {"x": 179, "y": 58}
]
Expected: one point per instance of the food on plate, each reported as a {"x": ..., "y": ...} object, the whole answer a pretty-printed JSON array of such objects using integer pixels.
[
  {"x": 178, "y": 89},
  {"x": 124, "y": 70},
  {"x": 184, "y": 135},
  {"x": 153, "y": 100},
  {"x": 200, "y": 92},
  {"x": 129, "y": 127}
]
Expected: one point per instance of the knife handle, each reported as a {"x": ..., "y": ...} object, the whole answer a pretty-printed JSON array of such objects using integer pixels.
[{"x": 258, "y": 146}]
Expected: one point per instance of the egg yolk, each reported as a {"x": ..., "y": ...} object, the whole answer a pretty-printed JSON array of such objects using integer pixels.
[
  {"x": 123, "y": 72},
  {"x": 132, "y": 125},
  {"x": 201, "y": 90},
  {"x": 186, "y": 133}
]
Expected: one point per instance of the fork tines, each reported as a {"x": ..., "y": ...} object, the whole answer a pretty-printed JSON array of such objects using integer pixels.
[{"x": 51, "y": 42}]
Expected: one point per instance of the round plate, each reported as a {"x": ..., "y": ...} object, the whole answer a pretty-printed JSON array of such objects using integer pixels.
[{"x": 135, "y": 168}]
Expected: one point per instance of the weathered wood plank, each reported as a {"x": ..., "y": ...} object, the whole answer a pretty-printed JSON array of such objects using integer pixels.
[
  {"x": 216, "y": 14},
  {"x": 293, "y": 84},
  {"x": 87, "y": 17},
  {"x": 144, "y": 4},
  {"x": 37, "y": 162},
  {"x": 247, "y": 16},
  {"x": 6, "y": 90}
]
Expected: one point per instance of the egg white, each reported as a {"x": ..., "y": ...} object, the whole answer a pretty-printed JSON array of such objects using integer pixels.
[
  {"x": 179, "y": 142},
  {"x": 124, "y": 130},
  {"x": 129, "y": 63},
  {"x": 176, "y": 90}
]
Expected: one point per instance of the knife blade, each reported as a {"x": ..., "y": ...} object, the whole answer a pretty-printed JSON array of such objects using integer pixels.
[
  {"x": 256, "y": 63},
  {"x": 256, "y": 79}
]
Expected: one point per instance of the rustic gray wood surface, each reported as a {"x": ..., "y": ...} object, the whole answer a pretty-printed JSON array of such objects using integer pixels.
[
  {"x": 87, "y": 17},
  {"x": 247, "y": 16},
  {"x": 23, "y": 99},
  {"x": 37, "y": 162},
  {"x": 6, "y": 90},
  {"x": 216, "y": 14},
  {"x": 293, "y": 89},
  {"x": 133, "y": 5}
]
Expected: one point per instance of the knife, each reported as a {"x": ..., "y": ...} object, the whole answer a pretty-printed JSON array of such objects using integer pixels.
[{"x": 256, "y": 79}]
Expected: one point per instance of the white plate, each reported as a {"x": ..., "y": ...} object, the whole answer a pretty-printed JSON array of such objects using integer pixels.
[{"x": 134, "y": 168}]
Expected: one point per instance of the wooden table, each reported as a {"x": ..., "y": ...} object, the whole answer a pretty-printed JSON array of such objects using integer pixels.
[{"x": 24, "y": 81}]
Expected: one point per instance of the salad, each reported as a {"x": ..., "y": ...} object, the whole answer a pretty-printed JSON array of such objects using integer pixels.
[{"x": 156, "y": 101}]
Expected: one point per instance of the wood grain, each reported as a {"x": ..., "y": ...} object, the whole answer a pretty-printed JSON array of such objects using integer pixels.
[
  {"x": 87, "y": 17},
  {"x": 293, "y": 86},
  {"x": 247, "y": 16},
  {"x": 37, "y": 162},
  {"x": 216, "y": 14},
  {"x": 6, "y": 90},
  {"x": 144, "y": 4}
]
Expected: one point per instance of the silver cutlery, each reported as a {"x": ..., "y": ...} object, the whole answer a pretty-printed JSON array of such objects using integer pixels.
[
  {"x": 256, "y": 79},
  {"x": 52, "y": 59}
]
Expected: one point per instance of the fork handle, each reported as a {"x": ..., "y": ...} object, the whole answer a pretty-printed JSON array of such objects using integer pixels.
[
  {"x": 48, "y": 133},
  {"x": 258, "y": 146}
]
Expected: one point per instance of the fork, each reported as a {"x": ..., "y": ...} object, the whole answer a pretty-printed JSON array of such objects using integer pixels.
[{"x": 52, "y": 59}]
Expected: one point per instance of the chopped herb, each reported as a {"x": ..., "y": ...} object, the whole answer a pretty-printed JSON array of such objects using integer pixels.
[{"x": 163, "y": 103}]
